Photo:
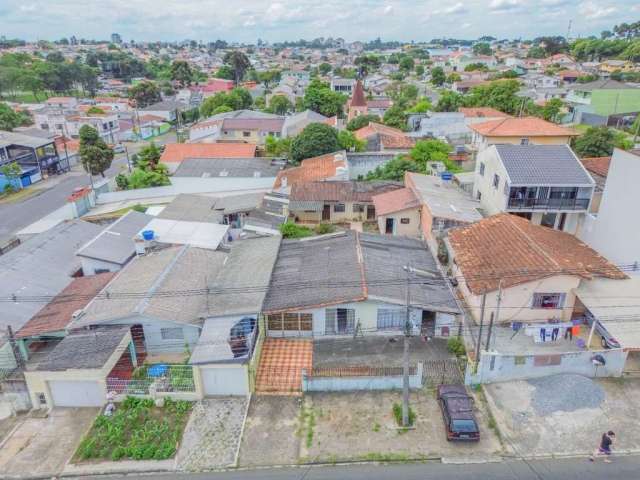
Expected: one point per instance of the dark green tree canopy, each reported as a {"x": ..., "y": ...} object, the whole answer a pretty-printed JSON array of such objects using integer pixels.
[
  {"x": 145, "y": 93},
  {"x": 95, "y": 154},
  {"x": 316, "y": 139}
]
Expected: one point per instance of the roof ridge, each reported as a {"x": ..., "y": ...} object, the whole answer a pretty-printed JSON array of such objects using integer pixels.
[
  {"x": 531, "y": 241},
  {"x": 498, "y": 124}
]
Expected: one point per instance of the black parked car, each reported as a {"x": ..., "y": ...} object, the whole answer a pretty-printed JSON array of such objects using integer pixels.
[{"x": 457, "y": 412}]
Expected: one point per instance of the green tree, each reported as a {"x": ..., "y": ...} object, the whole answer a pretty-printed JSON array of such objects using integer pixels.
[
  {"x": 419, "y": 70},
  {"x": 320, "y": 98},
  {"x": 239, "y": 63},
  {"x": 432, "y": 151},
  {"x": 236, "y": 99},
  {"x": 277, "y": 147},
  {"x": 95, "y": 111},
  {"x": 316, "y": 139},
  {"x": 595, "y": 142},
  {"x": 348, "y": 141},
  {"x": 9, "y": 119},
  {"x": 449, "y": 101},
  {"x": 422, "y": 106},
  {"x": 225, "y": 72},
  {"x": 402, "y": 93},
  {"x": 95, "y": 154},
  {"x": 406, "y": 64},
  {"x": 145, "y": 93},
  {"x": 476, "y": 67},
  {"x": 324, "y": 68},
  {"x": 394, "y": 169},
  {"x": 395, "y": 117},
  {"x": 12, "y": 173},
  {"x": 536, "y": 52},
  {"x": 367, "y": 64},
  {"x": 551, "y": 110},
  {"x": 280, "y": 105},
  {"x": 181, "y": 72},
  {"x": 437, "y": 76},
  {"x": 453, "y": 77},
  {"x": 482, "y": 48},
  {"x": 362, "y": 121}
]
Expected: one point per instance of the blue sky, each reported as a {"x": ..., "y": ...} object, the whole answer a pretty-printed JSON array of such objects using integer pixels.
[{"x": 248, "y": 20}]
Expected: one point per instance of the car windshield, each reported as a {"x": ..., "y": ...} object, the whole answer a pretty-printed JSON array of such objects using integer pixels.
[{"x": 464, "y": 426}]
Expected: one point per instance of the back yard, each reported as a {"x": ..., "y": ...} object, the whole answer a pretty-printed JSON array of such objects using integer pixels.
[{"x": 137, "y": 430}]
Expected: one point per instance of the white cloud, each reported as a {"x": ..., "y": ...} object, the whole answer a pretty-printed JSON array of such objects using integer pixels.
[
  {"x": 456, "y": 8},
  {"x": 592, "y": 10},
  {"x": 503, "y": 5},
  {"x": 388, "y": 9}
]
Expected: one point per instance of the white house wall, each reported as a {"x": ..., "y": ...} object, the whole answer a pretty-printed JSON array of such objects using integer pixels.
[{"x": 91, "y": 265}]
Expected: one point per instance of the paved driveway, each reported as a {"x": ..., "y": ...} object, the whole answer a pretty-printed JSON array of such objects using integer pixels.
[
  {"x": 212, "y": 435},
  {"x": 42, "y": 446}
]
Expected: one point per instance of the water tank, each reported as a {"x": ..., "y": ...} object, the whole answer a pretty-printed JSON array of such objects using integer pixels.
[{"x": 147, "y": 235}]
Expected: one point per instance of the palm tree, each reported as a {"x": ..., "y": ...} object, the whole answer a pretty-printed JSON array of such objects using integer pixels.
[{"x": 239, "y": 63}]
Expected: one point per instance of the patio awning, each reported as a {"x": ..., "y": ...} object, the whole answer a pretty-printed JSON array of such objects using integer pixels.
[{"x": 616, "y": 305}]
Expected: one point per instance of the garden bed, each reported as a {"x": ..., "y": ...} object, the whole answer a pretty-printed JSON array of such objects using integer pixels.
[{"x": 137, "y": 430}]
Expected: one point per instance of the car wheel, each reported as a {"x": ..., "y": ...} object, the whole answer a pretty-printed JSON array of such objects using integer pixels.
[{"x": 603, "y": 342}]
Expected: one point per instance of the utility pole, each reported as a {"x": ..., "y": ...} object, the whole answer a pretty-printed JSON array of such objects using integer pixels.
[
  {"x": 484, "y": 301},
  {"x": 487, "y": 346},
  {"x": 496, "y": 317},
  {"x": 126, "y": 152},
  {"x": 405, "y": 355}
]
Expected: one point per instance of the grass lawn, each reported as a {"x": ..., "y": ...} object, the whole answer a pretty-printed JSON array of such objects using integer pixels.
[
  {"x": 138, "y": 430},
  {"x": 19, "y": 196}
]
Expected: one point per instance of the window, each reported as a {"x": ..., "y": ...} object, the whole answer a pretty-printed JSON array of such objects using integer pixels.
[
  {"x": 172, "y": 334},
  {"x": 481, "y": 171},
  {"x": 548, "y": 220},
  {"x": 338, "y": 207},
  {"x": 405, "y": 221},
  {"x": 274, "y": 322},
  {"x": 339, "y": 321},
  {"x": 358, "y": 208},
  {"x": 506, "y": 188},
  {"x": 246, "y": 134},
  {"x": 524, "y": 141},
  {"x": 42, "y": 399},
  {"x": 391, "y": 318},
  {"x": 548, "y": 300},
  {"x": 98, "y": 271},
  {"x": 496, "y": 181},
  {"x": 479, "y": 195},
  {"x": 291, "y": 321}
]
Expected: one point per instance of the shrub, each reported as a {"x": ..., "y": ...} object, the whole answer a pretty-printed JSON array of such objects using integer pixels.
[
  {"x": 455, "y": 345},
  {"x": 324, "y": 228},
  {"x": 291, "y": 230},
  {"x": 397, "y": 414}
]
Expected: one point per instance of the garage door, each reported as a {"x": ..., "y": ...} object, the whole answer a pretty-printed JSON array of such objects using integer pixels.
[
  {"x": 225, "y": 381},
  {"x": 76, "y": 394}
]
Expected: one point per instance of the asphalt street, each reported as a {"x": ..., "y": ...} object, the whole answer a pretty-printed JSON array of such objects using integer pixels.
[
  {"x": 566, "y": 469},
  {"x": 16, "y": 216}
]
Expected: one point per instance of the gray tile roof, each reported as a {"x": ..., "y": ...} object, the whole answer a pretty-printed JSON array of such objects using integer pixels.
[
  {"x": 314, "y": 272},
  {"x": 115, "y": 243},
  {"x": 330, "y": 270},
  {"x": 152, "y": 277},
  {"x": 40, "y": 266},
  {"x": 227, "y": 167},
  {"x": 543, "y": 165},
  {"x": 384, "y": 259},
  {"x": 84, "y": 350},
  {"x": 247, "y": 271},
  {"x": 22, "y": 139},
  {"x": 608, "y": 84},
  {"x": 192, "y": 208}
]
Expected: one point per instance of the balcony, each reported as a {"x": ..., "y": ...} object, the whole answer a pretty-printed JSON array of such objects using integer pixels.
[{"x": 548, "y": 204}]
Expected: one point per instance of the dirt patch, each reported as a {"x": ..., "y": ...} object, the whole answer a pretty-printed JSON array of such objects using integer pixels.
[{"x": 361, "y": 426}]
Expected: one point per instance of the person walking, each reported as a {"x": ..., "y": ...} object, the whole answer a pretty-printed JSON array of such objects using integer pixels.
[{"x": 605, "y": 447}]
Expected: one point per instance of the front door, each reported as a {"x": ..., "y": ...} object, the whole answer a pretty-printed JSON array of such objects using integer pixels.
[
  {"x": 326, "y": 213},
  {"x": 428, "y": 323},
  {"x": 388, "y": 229}
]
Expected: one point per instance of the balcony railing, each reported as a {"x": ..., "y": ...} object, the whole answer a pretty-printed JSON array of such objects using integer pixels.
[{"x": 548, "y": 203}]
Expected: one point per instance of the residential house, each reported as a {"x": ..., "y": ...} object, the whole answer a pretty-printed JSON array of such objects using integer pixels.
[
  {"x": 594, "y": 102},
  {"x": 381, "y": 138},
  {"x": 41, "y": 266},
  {"x": 330, "y": 166},
  {"x": 167, "y": 322},
  {"x": 167, "y": 109},
  {"x": 598, "y": 168},
  {"x": 250, "y": 130},
  {"x": 174, "y": 153},
  {"x": 112, "y": 248},
  {"x": 253, "y": 167},
  {"x": 231, "y": 325},
  {"x": 473, "y": 115},
  {"x": 342, "y": 85},
  {"x": 546, "y": 184},
  {"x": 534, "y": 270},
  {"x": 398, "y": 213},
  {"x": 48, "y": 327},
  {"x": 294, "y": 124},
  {"x": 461, "y": 60},
  {"x": 35, "y": 155},
  {"x": 614, "y": 231},
  {"x": 336, "y": 201},
  {"x": 520, "y": 131},
  {"x": 610, "y": 66},
  {"x": 62, "y": 102},
  {"x": 107, "y": 125},
  {"x": 359, "y": 164},
  {"x": 359, "y": 285}
]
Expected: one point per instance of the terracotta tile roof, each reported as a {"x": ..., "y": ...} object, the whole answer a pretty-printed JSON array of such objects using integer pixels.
[
  {"x": 379, "y": 103},
  {"x": 524, "y": 126},
  {"x": 478, "y": 112},
  {"x": 340, "y": 191},
  {"x": 597, "y": 165},
  {"x": 513, "y": 249},
  {"x": 176, "y": 152},
  {"x": 395, "y": 201},
  {"x": 57, "y": 314},
  {"x": 151, "y": 118},
  {"x": 389, "y": 137},
  {"x": 403, "y": 142},
  {"x": 311, "y": 169}
]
